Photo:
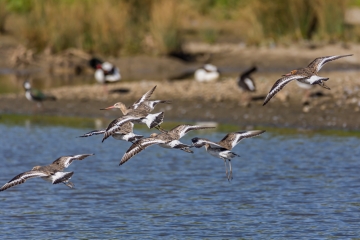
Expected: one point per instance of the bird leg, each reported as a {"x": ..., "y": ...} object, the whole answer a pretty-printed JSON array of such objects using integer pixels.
[
  {"x": 230, "y": 174},
  {"x": 160, "y": 129},
  {"x": 322, "y": 84},
  {"x": 186, "y": 149},
  {"x": 69, "y": 184},
  {"x": 226, "y": 170}
]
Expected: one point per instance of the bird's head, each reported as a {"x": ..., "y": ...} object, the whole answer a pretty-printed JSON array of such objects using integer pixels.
[
  {"x": 27, "y": 85},
  {"x": 118, "y": 105},
  {"x": 196, "y": 142},
  {"x": 153, "y": 135}
]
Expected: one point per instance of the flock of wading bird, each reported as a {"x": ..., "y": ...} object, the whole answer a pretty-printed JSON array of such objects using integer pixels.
[{"x": 140, "y": 112}]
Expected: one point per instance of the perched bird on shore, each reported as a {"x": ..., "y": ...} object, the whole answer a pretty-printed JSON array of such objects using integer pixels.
[
  {"x": 207, "y": 73},
  {"x": 167, "y": 139},
  {"x": 52, "y": 173},
  {"x": 245, "y": 81},
  {"x": 36, "y": 95},
  {"x": 307, "y": 75},
  {"x": 124, "y": 133},
  {"x": 105, "y": 72},
  {"x": 222, "y": 149}
]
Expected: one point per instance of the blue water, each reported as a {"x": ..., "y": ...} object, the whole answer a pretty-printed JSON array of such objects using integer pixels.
[{"x": 284, "y": 187}]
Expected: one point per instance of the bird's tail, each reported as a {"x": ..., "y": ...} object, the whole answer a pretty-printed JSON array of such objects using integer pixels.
[
  {"x": 165, "y": 101},
  {"x": 153, "y": 120},
  {"x": 134, "y": 138},
  {"x": 49, "y": 97},
  {"x": 59, "y": 177}
]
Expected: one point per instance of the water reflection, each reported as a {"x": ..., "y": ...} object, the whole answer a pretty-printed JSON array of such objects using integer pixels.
[{"x": 285, "y": 186}]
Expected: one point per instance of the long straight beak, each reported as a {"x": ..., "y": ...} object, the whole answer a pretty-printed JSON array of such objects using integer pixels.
[{"x": 111, "y": 107}]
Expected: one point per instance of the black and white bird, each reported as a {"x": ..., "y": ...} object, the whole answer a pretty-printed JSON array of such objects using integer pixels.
[
  {"x": 223, "y": 148},
  {"x": 207, "y": 73},
  {"x": 246, "y": 82},
  {"x": 105, "y": 72},
  {"x": 143, "y": 103},
  {"x": 36, "y": 95},
  {"x": 124, "y": 133},
  {"x": 52, "y": 173},
  {"x": 166, "y": 139}
]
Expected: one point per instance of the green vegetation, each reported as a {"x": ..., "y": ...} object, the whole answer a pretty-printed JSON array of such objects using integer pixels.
[
  {"x": 118, "y": 27},
  {"x": 42, "y": 120},
  {"x": 87, "y": 122}
]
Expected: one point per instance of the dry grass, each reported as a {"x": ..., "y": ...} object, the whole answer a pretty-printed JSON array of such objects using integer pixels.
[
  {"x": 3, "y": 15},
  {"x": 114, "y": 27},
  {"x": 164, "y": 26},
  {"x": 95, "y": 26}
]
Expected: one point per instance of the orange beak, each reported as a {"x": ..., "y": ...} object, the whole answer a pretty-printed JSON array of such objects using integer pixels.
[
  {"x": 111, "y": 107},
  {"x": 291, "y": 73}
]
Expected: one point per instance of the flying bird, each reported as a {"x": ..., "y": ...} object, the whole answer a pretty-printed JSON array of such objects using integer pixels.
[
  {"x": 139, "y": 112},
  {"x": 307, "y": 75},
  {"x": 168, "y": 139},
  {"x": 125, "y": 133},
  {"x": 222, "y": 149},
  {"x": 52, "y": 173}
]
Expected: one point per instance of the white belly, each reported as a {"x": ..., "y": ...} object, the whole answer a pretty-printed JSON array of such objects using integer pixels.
[
  {"x": 113, "y": 77},
  {"x": 214, "y": 152},
  {"x": 203, "y": 76},
  {"x": 99, "y": 76},
  {"x": 164, "y": 145},
  {"x": 313, "y": 79},
  {"x": 28, "y": 95},
  {"x": 304, "y": 85}
]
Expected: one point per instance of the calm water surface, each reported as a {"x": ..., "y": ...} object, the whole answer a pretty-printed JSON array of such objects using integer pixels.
[{"x": 285, "y": 186}]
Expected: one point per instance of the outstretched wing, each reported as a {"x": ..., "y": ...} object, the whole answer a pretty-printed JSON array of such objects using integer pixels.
[
  {"x": 199, "y": 142},
  {"x": 181, "y": 130},
  {"x": 318, "y": 63},
  {"x": 279, "y": 84},
  {"x": 138, "y": 147},
  {"x": 21, "y": 178},
  {"x": 116, "y": 125},
  {"x": 144, "y": 97},
  {"x": 245, "y": 82},
  {"x": 92, "y": 133},
  {"x": 60, "y": 177},
  {"x": 232, "y": 139},
  {"x": 65, "y": 161}
]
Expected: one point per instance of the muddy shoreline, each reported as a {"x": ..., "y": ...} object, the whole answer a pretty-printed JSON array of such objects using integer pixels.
[{"x": 220, "y": 101}]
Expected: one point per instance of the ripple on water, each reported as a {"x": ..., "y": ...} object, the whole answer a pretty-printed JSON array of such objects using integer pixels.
[{"x": 284, "y": 186}]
